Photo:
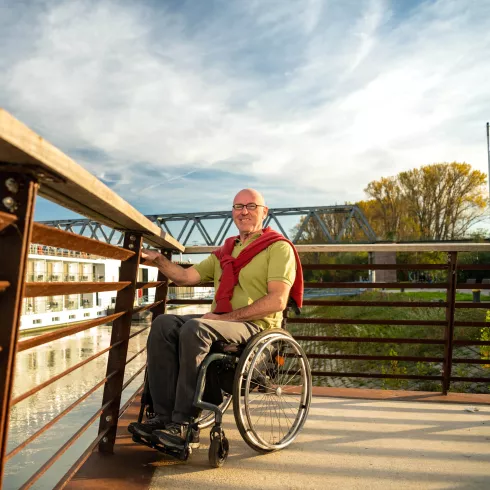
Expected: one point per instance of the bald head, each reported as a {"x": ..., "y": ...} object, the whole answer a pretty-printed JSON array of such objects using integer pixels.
[{"x": 249, "y": 195}]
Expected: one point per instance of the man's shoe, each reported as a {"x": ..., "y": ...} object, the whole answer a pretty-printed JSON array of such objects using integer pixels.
[
  {"x": 145, "y": 429},
  {"x": 174, "y": 435}
]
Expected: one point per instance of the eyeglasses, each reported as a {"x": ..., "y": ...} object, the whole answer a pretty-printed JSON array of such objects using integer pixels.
[{"x": 251, "y": 206}]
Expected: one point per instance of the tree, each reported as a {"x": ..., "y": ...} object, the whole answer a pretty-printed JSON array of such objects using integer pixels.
[{"x": 435, "y": 202}]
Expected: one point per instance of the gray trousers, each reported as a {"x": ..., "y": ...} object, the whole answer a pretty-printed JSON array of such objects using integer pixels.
[{"x": 176, "y": 347}]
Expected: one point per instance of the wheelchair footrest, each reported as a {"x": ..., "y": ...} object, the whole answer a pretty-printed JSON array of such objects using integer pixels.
[{"x": 181, "y": 453}]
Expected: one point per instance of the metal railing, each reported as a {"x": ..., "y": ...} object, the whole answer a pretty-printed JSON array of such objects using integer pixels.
[
  {"x": 30, "y": 166},
  {"x": 441, "y": 328}
]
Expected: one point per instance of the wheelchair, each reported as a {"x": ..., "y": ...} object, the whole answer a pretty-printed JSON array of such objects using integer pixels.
[{"x": 268, "y": 380}]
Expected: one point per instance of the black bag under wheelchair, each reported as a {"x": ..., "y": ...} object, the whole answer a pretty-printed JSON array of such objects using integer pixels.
[{"x": 269, "y": 382}]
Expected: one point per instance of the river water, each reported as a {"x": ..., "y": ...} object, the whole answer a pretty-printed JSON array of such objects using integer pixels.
[{"x": 33, "y": 367}]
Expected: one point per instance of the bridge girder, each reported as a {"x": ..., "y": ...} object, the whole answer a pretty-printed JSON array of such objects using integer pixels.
[{"x": 201, "y": 223}]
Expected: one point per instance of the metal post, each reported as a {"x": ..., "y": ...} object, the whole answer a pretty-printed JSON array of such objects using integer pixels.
[
  {"x": 120, "y": 331},
  {"x": 17, "y": 198},
  {"x": 371, "y": 272},
  {"x": 488, "y": 153},
  {"x": 161, "y": 292},
  {"x": 449, "y": 331}
]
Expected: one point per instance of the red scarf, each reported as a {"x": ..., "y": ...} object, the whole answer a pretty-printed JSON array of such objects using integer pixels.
[{"x": 231, "y": 268}]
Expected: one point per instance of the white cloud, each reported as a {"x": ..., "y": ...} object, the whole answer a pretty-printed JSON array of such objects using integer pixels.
[{"x": 320, "y": 97}]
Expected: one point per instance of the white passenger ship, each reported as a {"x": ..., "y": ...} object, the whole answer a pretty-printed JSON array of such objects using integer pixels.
[{"x": 48, "y": 264}]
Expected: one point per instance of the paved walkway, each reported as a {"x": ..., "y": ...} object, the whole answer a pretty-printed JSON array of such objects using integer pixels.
[
  {"x": 354, "y": 444},
  {"x": 391, "y": 442}
]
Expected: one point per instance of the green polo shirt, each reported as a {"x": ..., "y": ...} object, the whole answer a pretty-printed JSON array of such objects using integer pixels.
[{"x": 275, "y": 263}]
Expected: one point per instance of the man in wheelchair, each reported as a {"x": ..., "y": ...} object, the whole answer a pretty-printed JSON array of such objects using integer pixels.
[{"x": 254, "y": 274}]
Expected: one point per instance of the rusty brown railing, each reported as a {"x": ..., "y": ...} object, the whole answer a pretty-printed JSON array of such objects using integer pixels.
[
  {"x": 446, "y": 340},
  {"x": 29, "y": 166}
]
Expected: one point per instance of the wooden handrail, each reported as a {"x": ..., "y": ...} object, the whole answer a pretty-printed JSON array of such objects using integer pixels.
[
  {"x": 47, "y": 235},
  {"x": 375, "y": 247},
  {"x": 67, "y": 183}
]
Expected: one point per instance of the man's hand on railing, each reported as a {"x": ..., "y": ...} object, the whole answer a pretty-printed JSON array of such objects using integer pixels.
[
  {"x": 149, "y": 255},
  {"x": 173, "y": 271}
]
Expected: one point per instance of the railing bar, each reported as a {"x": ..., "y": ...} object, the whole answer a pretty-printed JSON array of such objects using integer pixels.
[
  {"x": 146, "y": 307},
  {"x": 471, "y": 361},
  {"x": 360, "y": 321},
  {"x": 48, "y": 235},
  {"x": 474, "y": 380},
  {"x": 462, "y": 304},
  {"x": 408, "y": 304},
  {"x": 4, "y": 285},
  {"x": 79, "y": 462},
  {"x": 62, "y": 449},
  {"x": 59, "y": 376},
  {"x": 136, "y": 333},
  {"x": 472, "y": 324},
  {"x": 361, "y": 267},
  {"x": 131, "y": 399},
  {"x": 189, "y": 301},
  {"x": 374, "y": 358},
  {"x": 390, "y": 340},
  {"x": 473, "y": 267},
  {"x": 374, "y": 375},
  {"x": 64, "y": 332},
  {"x": 376, "y": 285},
  {"x": 128, "y": 382},
  {"x": 464, "y": 285},
  {"x": 36, "y": 289},
  {"x": 58, "y": 417},
  {"x": 136, "y": 355}
]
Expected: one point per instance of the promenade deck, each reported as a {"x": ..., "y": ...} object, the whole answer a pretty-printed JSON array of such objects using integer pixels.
[{"x": 399, "y": 440}]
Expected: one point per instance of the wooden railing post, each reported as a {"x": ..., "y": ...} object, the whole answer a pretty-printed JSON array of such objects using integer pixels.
[
  {"x": 161, "y": 293},
  {"x": 449, "y": 330},
  {"x": 17, "y": 199},
  {"x": 120, "y": 332}
]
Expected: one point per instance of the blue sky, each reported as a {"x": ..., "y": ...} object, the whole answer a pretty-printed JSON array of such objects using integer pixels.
[{"x": 176, "y": 104}]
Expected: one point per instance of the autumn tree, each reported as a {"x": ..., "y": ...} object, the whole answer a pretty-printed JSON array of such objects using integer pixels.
[{"x": 435, "y": 202}]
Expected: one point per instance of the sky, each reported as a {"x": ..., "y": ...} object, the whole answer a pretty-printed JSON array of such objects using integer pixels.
[{"x": 176, "y": 105}]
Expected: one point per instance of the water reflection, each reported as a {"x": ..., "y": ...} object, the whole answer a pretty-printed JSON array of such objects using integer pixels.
[{"x": 37, "y": 365}]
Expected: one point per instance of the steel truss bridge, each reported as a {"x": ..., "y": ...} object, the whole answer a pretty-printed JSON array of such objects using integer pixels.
[{"x": 212, "y": 227}]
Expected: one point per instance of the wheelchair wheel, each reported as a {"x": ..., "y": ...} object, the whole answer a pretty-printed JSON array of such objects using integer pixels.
[
  {"x": 271, "y": 391},
  {"x": 218, "y": 451},
  {"x": 207, "y": 416}
]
